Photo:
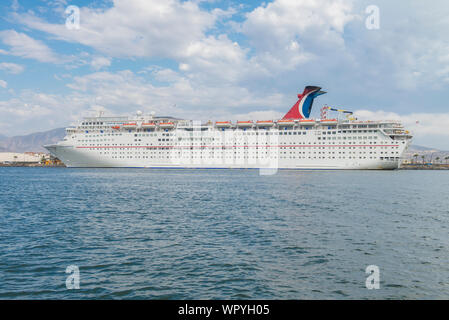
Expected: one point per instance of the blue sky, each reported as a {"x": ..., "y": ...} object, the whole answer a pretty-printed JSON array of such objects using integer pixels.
[{"x": 223, "y": 60}]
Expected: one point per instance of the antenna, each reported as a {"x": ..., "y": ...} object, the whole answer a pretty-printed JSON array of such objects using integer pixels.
[{"x": 324, "y": 110}]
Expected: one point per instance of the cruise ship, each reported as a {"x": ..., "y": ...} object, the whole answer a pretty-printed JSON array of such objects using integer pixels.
[{"x": 294, "y": 142}]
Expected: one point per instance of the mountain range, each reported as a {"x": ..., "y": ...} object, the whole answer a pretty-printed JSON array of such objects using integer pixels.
[
  {"x": 31, "y": 142},
  {"x": 429, "y": 154}
]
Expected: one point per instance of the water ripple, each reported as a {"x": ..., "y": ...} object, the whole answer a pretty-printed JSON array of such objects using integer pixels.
[{"x": 222, "y": 234}]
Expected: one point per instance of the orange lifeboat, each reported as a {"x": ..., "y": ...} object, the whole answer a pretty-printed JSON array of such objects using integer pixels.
[
  {"x": 244, "y": 124},
  {"x": 265, "y": 123},
  {"x": 307, "y": 122},
  {"x": 223, "y": 124},
  {"x": 166, "y": 125},
  {"x": 328, "y": 121},
  {"x": 115, "y": 127},
  {"x": 130, "y": 125},
  {"x": 286, "y": 123},
  {"x": 148, "y": 125}
]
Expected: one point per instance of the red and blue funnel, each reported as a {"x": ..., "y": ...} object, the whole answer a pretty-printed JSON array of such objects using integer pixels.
[{"x": 302, "y": 108}]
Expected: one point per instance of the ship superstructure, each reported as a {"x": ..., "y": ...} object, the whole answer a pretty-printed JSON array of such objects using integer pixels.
[{"x": 293, "y": 142}]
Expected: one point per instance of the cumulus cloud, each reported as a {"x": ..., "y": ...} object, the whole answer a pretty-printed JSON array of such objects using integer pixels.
[
  {"x": 258, "y": 115},
  {"x": 420, "y": 123},
  {"x": 124, "y": 92},
  {"x": 138, "y": 28},
  {"x": 149, "y": 28},
  {"x": 293, "y": 31},
  {"x": 253, "y": 70},
  {"x": 12, "y": 68},
  {"x": 24, "y": 46},
  {"x": 100, "y": 62},
  {"x": 3, "y": 84},
  {"x": 126, "y": 89}
]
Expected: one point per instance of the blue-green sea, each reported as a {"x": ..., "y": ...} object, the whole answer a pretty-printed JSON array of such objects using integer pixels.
[{"x": 223, "y": 234}]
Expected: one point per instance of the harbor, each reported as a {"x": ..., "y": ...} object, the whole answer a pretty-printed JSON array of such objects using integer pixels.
[
  {"x": 427, "y": 166},
  {"x": 28, "y": 159}
]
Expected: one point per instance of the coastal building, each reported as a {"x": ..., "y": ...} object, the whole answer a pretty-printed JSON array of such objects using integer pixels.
[{"x": 21, "y": 158}]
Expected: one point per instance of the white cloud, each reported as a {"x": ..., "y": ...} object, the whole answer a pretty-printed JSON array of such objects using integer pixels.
[
  {"x": 125, "y": 89},
  {"x": 24, "y": 46},
  {"x": 3, "y": 84},
  {"x": 216, "y": 59},
  {"x": 431, "y": 129},
  {"x": 285, "y": 45},
  {"x": 12, "y": 68},
  {"x": 151, "y": 28},
  {"x": 138, "y": 28},
  {"x": 419, "y": 123},
  {"x": 100, "y": 62},
  {"x": 178, "y": 30},
  {"x": 291, "y": 32},
  {"x": 258, "y": 115},
  {"x": 30, "y": 111},
  {"x": 15, "y": 5},
  {"x": 124, "y": 92}
]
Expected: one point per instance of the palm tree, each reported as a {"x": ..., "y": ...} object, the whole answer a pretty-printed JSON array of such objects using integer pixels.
[
  {"x": 437, "y": 159},
  {"x": 416, "y": 157},
  {"x": 423, "y": 156}
]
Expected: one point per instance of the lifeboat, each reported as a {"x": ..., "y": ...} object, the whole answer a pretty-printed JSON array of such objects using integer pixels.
[
  {"x": 307, "y": 122},
  {"x": 265, "y": 123},
  {"x": 166, "y": 125},
  {"x": 115, "y": 127},
  {"x": 130, "y": 125},
  {"x": 244, "y": 124},
  {"x": 286, "y": 123},
  {"x": 148, "y": 125},
  {"x": 328, "y": 121},
  {"x": 223, "y": 124}
]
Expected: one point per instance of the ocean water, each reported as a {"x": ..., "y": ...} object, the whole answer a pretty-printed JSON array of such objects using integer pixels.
[{"x": 223, "y": 234}]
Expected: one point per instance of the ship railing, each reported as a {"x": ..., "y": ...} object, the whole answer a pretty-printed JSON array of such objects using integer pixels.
[{"x": 105, "y": 119}]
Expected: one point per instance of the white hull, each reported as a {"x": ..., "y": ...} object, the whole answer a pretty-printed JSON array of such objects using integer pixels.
[{"x": 80, "y": 158}]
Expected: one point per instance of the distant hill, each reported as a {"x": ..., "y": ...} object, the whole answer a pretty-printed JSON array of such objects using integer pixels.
[
  {"x": 421, "y": 148},
  {"x": 430, "y": 154},
  {"x": 32, "y": 142}
]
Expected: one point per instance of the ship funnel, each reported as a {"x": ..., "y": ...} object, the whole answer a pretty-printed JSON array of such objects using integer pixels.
[{"x": 302, "y": 108}]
